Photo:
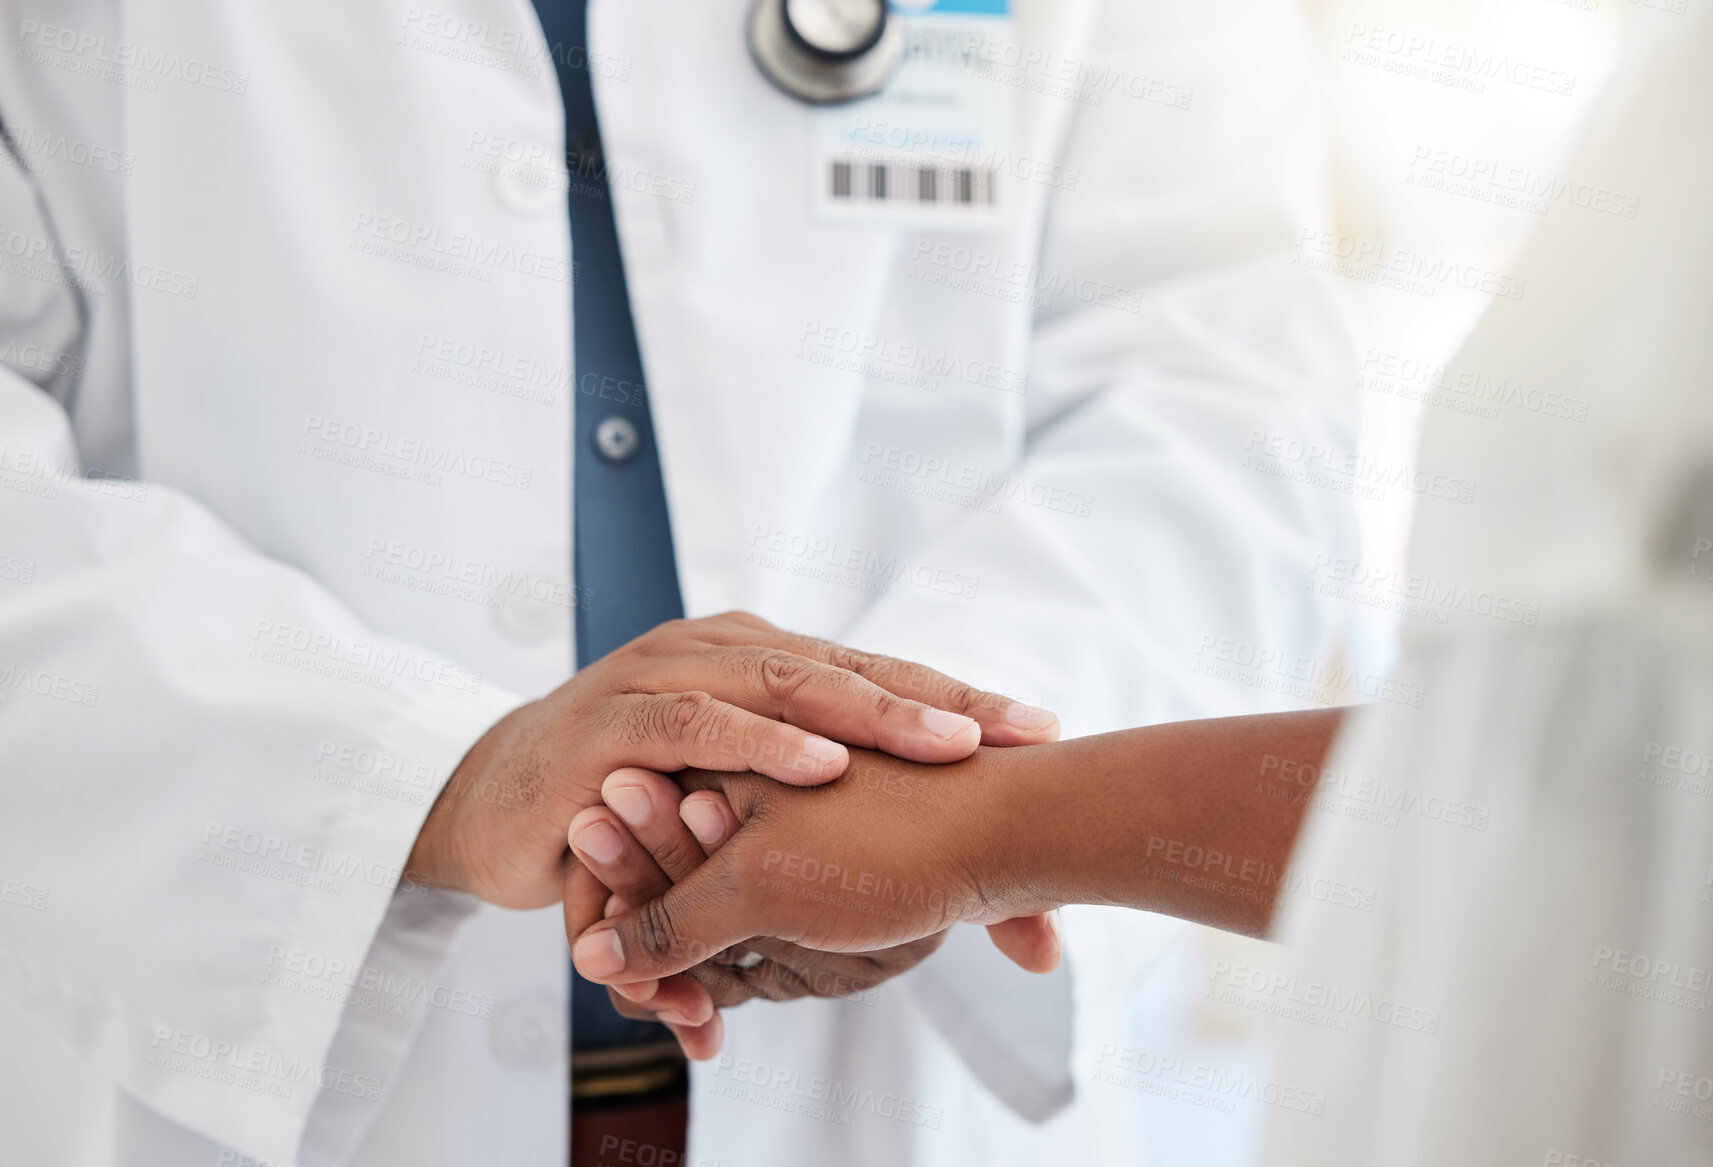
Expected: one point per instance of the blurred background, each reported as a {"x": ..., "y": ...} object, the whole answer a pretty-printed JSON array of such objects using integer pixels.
[
  {"x": 1458, "y": 168},
  {"x": 1453, "y": 167}
]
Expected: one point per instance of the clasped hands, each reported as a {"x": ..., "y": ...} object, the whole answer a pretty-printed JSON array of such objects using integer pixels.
[
  {"x": 740, "y": 712},
  {"x": 706, "y": 889}
]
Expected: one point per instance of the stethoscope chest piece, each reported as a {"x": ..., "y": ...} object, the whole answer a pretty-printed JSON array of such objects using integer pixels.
[{"x": 825, "y": 51}]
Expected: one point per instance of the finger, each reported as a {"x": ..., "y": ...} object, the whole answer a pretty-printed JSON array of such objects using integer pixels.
[
  {"x": 737, "y": 795},
  {"x": 710, "y": 818},
  {"x": 701, "y": 1042},
  {"x": 790, "y": 972},
  {"x": 728, "y": 986},
  {"x": 677, "y": 1000},
  {"x": 675, "y": 730},
  {"x": 604, "y": 845},
  {"x": 1032, "y": 942},
  {"x": 585, "y": 902},
  {"x": 796, "y": 971},
  {"x": 634, "y": 1000},
  {"x": 1003, "y": 721},
  {"x": 684, "y": 1001},
  {"x": 836, "y": 703},
  {"x": 648, "y": 803},
  {"x": 696, "y": 919}
]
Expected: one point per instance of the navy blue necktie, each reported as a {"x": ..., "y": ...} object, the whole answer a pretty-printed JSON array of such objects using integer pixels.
[{"x": 627, "y": 579}]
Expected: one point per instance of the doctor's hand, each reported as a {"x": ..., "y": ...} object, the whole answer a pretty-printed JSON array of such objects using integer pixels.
[
  {"x": 728, "y": 692},
  {"x": 889, "y": 855},
  {"x": 633, "y": 849}
]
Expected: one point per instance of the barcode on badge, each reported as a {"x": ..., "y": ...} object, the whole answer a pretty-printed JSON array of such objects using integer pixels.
[{"x": 853, "y": 181}]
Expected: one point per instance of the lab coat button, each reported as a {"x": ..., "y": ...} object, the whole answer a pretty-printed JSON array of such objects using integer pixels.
[
  {"x": 617, "y": 440},
  {"x": 527, "y": 1033}
]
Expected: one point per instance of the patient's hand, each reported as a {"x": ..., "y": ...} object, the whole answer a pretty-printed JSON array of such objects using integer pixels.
[
  {"x": 892, "y": 855},
  {"x": 633, "y": 849}
]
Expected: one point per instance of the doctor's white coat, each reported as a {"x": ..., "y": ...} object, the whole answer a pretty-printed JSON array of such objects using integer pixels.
[{"x": 319, "y": 540}]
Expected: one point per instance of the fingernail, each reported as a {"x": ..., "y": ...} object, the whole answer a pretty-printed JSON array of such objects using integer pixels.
[
  {"x": 704, "y": 821},
  {"x": 599, "y": 954},
  {"x": 673, "y": 1017},
  {"x": 638, "y": 991},
  {"x": 1028, "y": 716},
  {"x": 943, "y": 724},
  {"x": 599, "y": 842},
  {"x": 818, "y": 753},
  {"x": 630, "y": 803}
]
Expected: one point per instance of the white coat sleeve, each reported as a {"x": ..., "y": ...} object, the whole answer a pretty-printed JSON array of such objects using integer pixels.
[
  {"x": 213, "y": 777},
  {"x": 1154, "y": 412}
]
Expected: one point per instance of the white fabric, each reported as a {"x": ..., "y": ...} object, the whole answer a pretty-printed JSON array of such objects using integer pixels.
[
  {"x": 1561, "y": 940},
  {"x": 295, "y": 250}
]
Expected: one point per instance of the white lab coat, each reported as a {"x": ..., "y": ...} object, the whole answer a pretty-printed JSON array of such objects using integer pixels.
[
  {"x": 1538, "y": 958},
  {"x": 236, "y": 683}
]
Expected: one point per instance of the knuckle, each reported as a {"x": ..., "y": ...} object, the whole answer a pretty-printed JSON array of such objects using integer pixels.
[
  {"x": 657, "y": 934},
  {"x": 849, "y": 659},
  {"x": 884, "y": 702},
  {"x": 885, "y": 671},
  {"x": 682, "y": 714},
  {"x": 658, "y": 640},
  {"x": 718, "y": 728},
  {"x": 958, "y": 695},
  {"x": 735, "y": 627},
  {"x": 783, "y": 673}
]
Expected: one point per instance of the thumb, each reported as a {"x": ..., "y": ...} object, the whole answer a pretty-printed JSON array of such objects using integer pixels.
[{"x": 693, "y": 921}]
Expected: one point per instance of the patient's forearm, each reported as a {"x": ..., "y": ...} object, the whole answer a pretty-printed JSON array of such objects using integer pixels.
[
  {"x": 1195, "y": 819},
  {"x": 1186, "y": 819}
]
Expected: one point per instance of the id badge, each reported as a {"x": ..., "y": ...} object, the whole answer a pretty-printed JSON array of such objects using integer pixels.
[{"x": 930, "y": 149}]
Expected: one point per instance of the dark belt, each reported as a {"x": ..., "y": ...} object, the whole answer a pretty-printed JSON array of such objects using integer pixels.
[{"x": 626, "y": 1071}]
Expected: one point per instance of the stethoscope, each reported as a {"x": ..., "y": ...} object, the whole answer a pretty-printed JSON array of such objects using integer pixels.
[{"x": 825, "y": 52}]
